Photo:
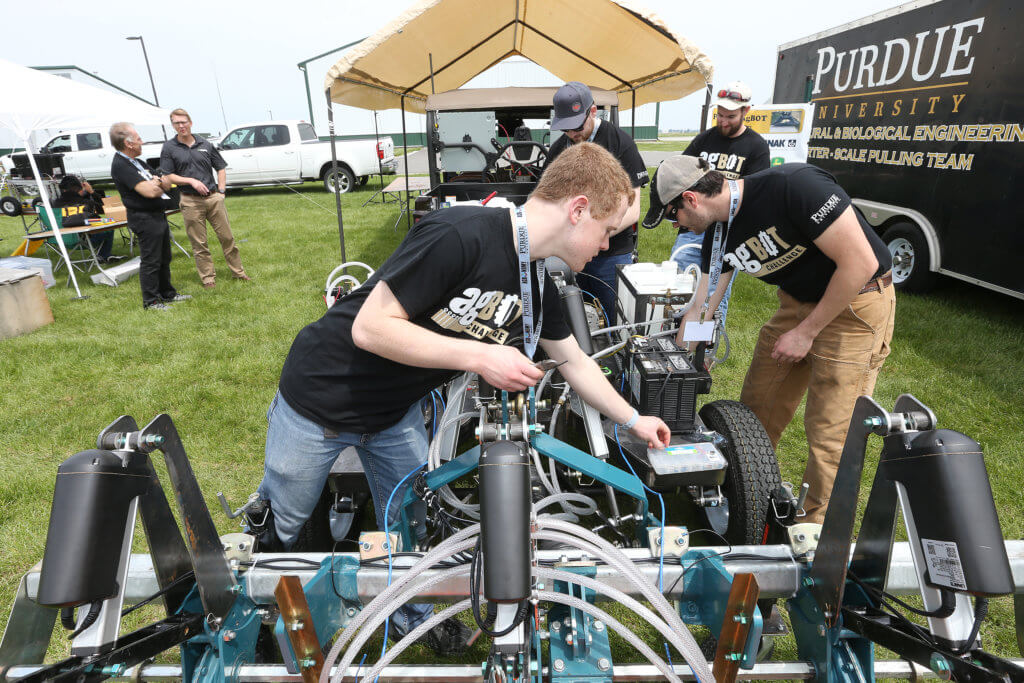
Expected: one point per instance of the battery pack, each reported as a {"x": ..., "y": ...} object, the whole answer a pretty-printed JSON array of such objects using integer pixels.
[{"x": 663, "y": 381}]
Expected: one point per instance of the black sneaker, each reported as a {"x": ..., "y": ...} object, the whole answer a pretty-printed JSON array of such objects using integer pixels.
[{"x": 448, "y": 638}]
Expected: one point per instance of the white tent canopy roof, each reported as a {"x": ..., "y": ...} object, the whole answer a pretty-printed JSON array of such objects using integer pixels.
[
  {"x": 612, "y": 44},
  {"x": 35, "y": 100}
]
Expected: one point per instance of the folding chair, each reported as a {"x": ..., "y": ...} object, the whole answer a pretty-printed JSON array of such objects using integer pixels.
[{"x": 79, "y": 248}]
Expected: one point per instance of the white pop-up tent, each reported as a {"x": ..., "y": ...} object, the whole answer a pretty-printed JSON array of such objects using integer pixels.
[{"x": 37, "y": 100}]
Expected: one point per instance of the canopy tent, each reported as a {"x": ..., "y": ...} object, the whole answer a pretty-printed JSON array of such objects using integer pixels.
[
  {"x": 37, "y": 100},
  {"x": 439, "y": 45}
]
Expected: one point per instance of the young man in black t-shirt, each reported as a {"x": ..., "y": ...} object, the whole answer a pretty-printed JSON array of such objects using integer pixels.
[
  {"x": 794, "y": 227},
  {"x": 448, "y": 300},
  {"x": 77, "y": 202},
  {"x": 576, "y": 116},
  {"x": 732, "y": 149}
]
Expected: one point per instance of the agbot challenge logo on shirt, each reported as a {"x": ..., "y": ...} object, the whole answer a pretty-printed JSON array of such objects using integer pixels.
[{"x": 480, "y": 314}]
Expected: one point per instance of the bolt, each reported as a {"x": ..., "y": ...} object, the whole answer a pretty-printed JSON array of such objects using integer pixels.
[
  {"x": 295, "y": 625},
  {"x": 236, "y": 589},
  {"x": 808, "y": 581},
  {"x": 153, "y": 440},
  {"x": 734, "y": 656},
  {"x": 307, "y": 662},
  {"x": 229, "y": 636},
  {"x": 740, "y": 619},
  {"x": 815, "y": 537},
  {"x": 556, "y": 626},
  {"x": 114, "y": 669},
  {"x": 801, "y": 537},
  {"x": 603, "y": 664},
  {"x": 598, "y": 625},
  {"x": 351, "y": 611},
  {"x": 365, "y": 545},
  {"x": 559, "y": 665},
  {"x": 873, "y": 422},
  {"x": 568, "y": 639}
]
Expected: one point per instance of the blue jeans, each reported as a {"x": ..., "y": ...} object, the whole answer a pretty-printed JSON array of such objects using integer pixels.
[
  {"x": 691, "y": 255},
  {"x": 299, "y": 456},
  {"x": 603, "y": 268},
  {"x": 103, "y": 243}
]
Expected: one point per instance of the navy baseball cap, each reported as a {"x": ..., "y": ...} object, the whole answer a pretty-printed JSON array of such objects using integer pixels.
[{"x": 572, "y": 104}]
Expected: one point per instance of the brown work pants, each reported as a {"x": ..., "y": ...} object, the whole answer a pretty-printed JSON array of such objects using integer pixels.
[
  {"x": 842, "y": 365},
  {"x": 196, "y": 211}
]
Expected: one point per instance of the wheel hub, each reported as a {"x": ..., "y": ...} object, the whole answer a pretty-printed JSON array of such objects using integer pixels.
[{"x": 902, "y": 252}]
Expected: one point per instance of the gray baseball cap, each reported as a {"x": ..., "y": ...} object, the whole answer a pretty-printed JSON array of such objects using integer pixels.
[
  {"x": 572, "y": 103},
  {"x": 674, "y": 176}
]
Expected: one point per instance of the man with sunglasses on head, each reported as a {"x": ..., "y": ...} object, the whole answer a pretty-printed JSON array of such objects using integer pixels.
[
  {"x": 732, "y": 149},
  {"x": 794, "y": 227},
  {"x": 576, "y": 116}
]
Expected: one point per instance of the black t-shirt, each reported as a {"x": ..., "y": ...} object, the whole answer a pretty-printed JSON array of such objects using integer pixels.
[
  {"x": 735, "y": 157},
  {"x": 623, "y": 148},
  {"x": 75, "y": 208},
  {"x": 126, "y": 176},
  {"x": 456, "y": 273},
  {"x": 198, "y": 161},
  {"x": 784, "y": 209}
]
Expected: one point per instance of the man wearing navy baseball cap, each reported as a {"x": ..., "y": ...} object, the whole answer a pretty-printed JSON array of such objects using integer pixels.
[{"x": 575, "y": 114}]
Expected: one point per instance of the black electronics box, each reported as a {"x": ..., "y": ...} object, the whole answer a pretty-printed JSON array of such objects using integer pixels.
[
  {"x": 51, "y": 165},
  {"x": 663, "y": 381}
]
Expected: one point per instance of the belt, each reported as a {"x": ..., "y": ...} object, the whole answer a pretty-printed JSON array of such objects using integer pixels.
[{"x": 877, "y": 284}]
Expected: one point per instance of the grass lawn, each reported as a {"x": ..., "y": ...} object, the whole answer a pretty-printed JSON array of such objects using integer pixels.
[{"x": 212, "y": 364}]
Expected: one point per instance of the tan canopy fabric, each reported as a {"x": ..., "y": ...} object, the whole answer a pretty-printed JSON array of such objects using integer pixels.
[
  {"x": 612, "y": 44},
  {"x": 491, "y": 98}
]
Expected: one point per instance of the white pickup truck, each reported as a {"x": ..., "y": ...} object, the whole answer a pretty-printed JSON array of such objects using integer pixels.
[{"x": 264, "y": 153}]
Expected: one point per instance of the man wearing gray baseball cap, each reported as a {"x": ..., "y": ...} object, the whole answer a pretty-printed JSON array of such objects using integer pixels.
[
  {"x": 575, "y": 114},
  {"x": 791, "y": 226}
]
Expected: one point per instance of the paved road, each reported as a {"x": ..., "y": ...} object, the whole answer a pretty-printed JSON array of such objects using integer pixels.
[{"x": 418, "y": 161}]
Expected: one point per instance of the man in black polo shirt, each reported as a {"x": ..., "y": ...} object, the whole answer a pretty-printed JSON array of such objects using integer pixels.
[
  {"x": 189, "y": 161},
  {"x": 144, "y": 195},
  {"x": 732, "y": 149},
  {"x": 794, "y": 227},
  {"x": 576, "y": 116}
]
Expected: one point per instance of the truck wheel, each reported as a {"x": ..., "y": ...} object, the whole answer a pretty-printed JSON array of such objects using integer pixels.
[
  {"x": 10, "y": 206},
  {"x": 344, "y": 182},
  {"x": 752, "y": 475},
  {"x": 910, "y": 257}
]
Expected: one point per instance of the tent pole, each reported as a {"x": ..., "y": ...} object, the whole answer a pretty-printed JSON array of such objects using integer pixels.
[
  {"x": 632, "y": 115},
  {"x": 405, "y": 162},
  {"x": 334, "y": 172},
  {"x": 704, "y": 110},
  {"x": 45, "y": 196},
  {"x": 430, "y": 55}
]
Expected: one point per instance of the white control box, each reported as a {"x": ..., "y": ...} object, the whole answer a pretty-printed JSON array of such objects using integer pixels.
[{"x": 644, "y": 289}]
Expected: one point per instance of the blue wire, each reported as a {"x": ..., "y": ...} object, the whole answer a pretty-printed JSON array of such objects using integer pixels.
[
  {"x": 661, "y": 559},
  {"x": 439, "y": 398},
  {"x": 387, "y": 544},
  {"x": 360, "y": 667}
]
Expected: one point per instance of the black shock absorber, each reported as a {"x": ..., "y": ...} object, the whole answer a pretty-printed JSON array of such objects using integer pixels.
[{"x": 505, "y": 521}]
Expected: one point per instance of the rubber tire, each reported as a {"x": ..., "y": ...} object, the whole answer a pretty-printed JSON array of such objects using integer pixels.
[
  {"x": 347, "y": 180},
  {"x": 906, "y": 241},
  {"x": 753, "y": 471},
  {"x": 362, "y": 180},
  {"x": 10, "y": 206}
]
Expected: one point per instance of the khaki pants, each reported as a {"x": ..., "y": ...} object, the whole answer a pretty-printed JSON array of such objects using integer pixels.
[
  {"x": 842, "y": 365},
  {"x": 196, "y": 210}
]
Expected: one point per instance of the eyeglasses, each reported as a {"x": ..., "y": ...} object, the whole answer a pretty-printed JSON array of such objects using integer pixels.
[
  {"x": 180, "y": 123},
  {"x": 733, "y": 95},
  {"x": 579, "y": 129}
]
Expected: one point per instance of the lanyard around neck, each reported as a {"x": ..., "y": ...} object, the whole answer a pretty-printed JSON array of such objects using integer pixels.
[
  {"x": 531, "y": 335},
  {"x": 718, "y": 246}
]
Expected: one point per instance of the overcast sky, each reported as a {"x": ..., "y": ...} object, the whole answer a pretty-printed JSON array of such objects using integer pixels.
[{"x": 251, "y": 49}]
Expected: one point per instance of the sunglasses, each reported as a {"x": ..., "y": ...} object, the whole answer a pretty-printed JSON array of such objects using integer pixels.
[
  {"x": 578, "y": 129},
  {"x": 671, "y": 210},
  {"x": 733, "y": 95}
]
